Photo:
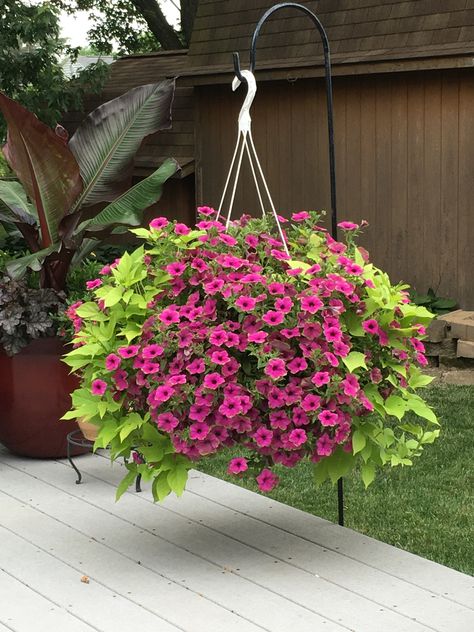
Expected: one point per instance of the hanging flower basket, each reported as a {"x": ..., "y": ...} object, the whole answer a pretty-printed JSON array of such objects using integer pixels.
[{"x": 209, "y": 339}]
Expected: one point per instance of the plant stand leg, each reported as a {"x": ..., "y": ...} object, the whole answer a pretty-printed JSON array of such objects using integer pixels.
[
  {"x": 340, "y": 501},
  {"x": 138, "y": 487},
  {"x": 69, "y": 458}
]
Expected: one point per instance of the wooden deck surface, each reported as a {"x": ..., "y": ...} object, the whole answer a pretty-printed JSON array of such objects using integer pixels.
[{"x": 219, "y": 559}]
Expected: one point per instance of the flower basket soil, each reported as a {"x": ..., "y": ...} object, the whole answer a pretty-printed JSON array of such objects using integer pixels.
[{"x": 35, "y": 388}]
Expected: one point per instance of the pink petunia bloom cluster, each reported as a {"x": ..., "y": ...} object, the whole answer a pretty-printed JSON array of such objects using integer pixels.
[{"x": 246, "y": 347}]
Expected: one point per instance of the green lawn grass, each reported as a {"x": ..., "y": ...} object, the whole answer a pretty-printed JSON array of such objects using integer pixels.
[{"x": 427, "y": 509}]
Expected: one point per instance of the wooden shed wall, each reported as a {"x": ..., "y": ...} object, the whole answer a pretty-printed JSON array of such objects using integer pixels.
[{"x": 405, "y": 162}]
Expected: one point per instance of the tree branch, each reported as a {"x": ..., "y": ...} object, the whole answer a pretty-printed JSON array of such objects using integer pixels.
[
  {"x": 188, "y": 13},
  {"x": 157, "y": 23}
]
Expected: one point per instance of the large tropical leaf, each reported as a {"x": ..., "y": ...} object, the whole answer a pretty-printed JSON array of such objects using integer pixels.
[
  {"x": 106, "y": 142},
  {"x": 87, "y": 246},
  {"x": 43, "y": 164},
  {"x": 17, "y": 268},
  {"x": 128, "y": 208},
  {"x": 14, "y": 205}
]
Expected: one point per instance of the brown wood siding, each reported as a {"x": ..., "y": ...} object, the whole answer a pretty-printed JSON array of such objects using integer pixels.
[
  {"x": 405, "y": 160},
  {"x": 362, "y": 28}
]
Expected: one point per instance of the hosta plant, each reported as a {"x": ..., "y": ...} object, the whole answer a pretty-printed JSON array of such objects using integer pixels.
[
  {"x": 70, "y": 194},
  {"x": 207, "y": 339}
]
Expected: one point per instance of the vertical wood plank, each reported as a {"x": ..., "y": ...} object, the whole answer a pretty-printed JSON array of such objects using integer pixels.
[
  {"x": 296, "y": 156},
  {"x": 415, "y": 182},
  {"x": 432, "y": 177},
  {"x": 465, "y": 254},
  {"x": 381, "y": 234},
  {"x": 367, "y": 160},
  {"x": 448, "y": 227},
  {"x": 400, "y": 231},
  {"x": 352, "y": 206}
]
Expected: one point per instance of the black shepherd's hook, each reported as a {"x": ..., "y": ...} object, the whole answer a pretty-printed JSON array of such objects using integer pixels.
[
  {"x": 332, "y": 159},
  {"x": 327, "y": 67}
]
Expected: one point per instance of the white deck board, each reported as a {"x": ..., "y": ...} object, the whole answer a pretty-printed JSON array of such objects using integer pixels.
[
  {"x": 239, "y": 542},
  {"x": 217, "y": 560},
  {"x": 36, "y": 612}
]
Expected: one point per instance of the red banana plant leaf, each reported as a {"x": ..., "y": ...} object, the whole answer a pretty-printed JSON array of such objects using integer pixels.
[
  {"x": 107, "y": 140},
  {"x": 44, "y": 165}
]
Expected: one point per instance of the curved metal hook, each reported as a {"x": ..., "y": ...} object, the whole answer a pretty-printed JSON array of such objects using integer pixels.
[
  {"x": 237, "y": 69},
  {"x": 327, "y": 66}
]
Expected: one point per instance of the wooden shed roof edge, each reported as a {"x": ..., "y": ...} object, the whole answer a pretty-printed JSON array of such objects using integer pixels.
[
  {"x": 157, "y": 53},
  {"x": 377, "y": 62}
]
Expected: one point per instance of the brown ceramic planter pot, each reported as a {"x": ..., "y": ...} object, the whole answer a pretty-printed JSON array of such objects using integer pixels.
[{"x": 35, "y": 389}]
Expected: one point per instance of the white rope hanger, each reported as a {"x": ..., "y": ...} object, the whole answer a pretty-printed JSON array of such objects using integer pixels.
[{"x": 245, "y": 143}]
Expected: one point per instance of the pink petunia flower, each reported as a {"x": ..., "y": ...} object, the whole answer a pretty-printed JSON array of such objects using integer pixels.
[
  {"x": 98, "y": 387},
  {"x": 112, "y": 362},
  {"x": 196, "y": 366},
  {"x": 167, "y": 422},
  {"x": 164, "y": 393},
  {"x": 348, "y": 225},
  {"x": 297, "y": 437},
  {"x": 128, "y": 352},
  {"x": 300, "y": 418},
  {"x": 207, "y": 211},
  {"x": 228, "y": 240},
  {"x": 310, "y": 402},
  {"x": 276, "y": 288},
  {"x": 328, "y": 418},
  {"x": 214, "y": 286},
  {"x": 169, "y": 316},
  {"x": 152, "y": 351},
  {"x": 300, "y": 217},
  {"x": 213, "y": 381},
  {"x": 354, "y": 269},
  {"x": 273, "y": 318},
  {"x": 263, "y": 437},
  {"x": 275, "y": 368},
  {"x": 237, "y": 465},
  {"x": 350, "y": 385},
  {"x": 297, "y": 364},
  {"x": 324, "y": 445},
  {"x": 284, "y": 304},
  {"x": 311, "y": 304},
  {"x": 320, "y": 378},
  {"x": 246, "y": 303},
  {"x": 220, "y": 357},
  {"x": 280, "y": 255},
  {"x": 199, "y": 431},
  {"x": 182, "y": 229},
  {"x": 158, "y": 223},
  {"x": 92, "y": 285},
  {"x": 267, "y": 480},
  {"x": 258, "y": 336},
  {"x": 371, "y": 326},
  {"x": 176, "y": 268}
]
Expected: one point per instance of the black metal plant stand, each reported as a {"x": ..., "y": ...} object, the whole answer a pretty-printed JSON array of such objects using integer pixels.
[
  {"x": 77, "y": 438},
  {"x": 330, "y": 116}
]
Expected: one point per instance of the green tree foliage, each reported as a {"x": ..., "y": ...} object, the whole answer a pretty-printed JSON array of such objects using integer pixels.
[
  {"x": 31, "y": 52},
  {"x": 136, "y": 25}
]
